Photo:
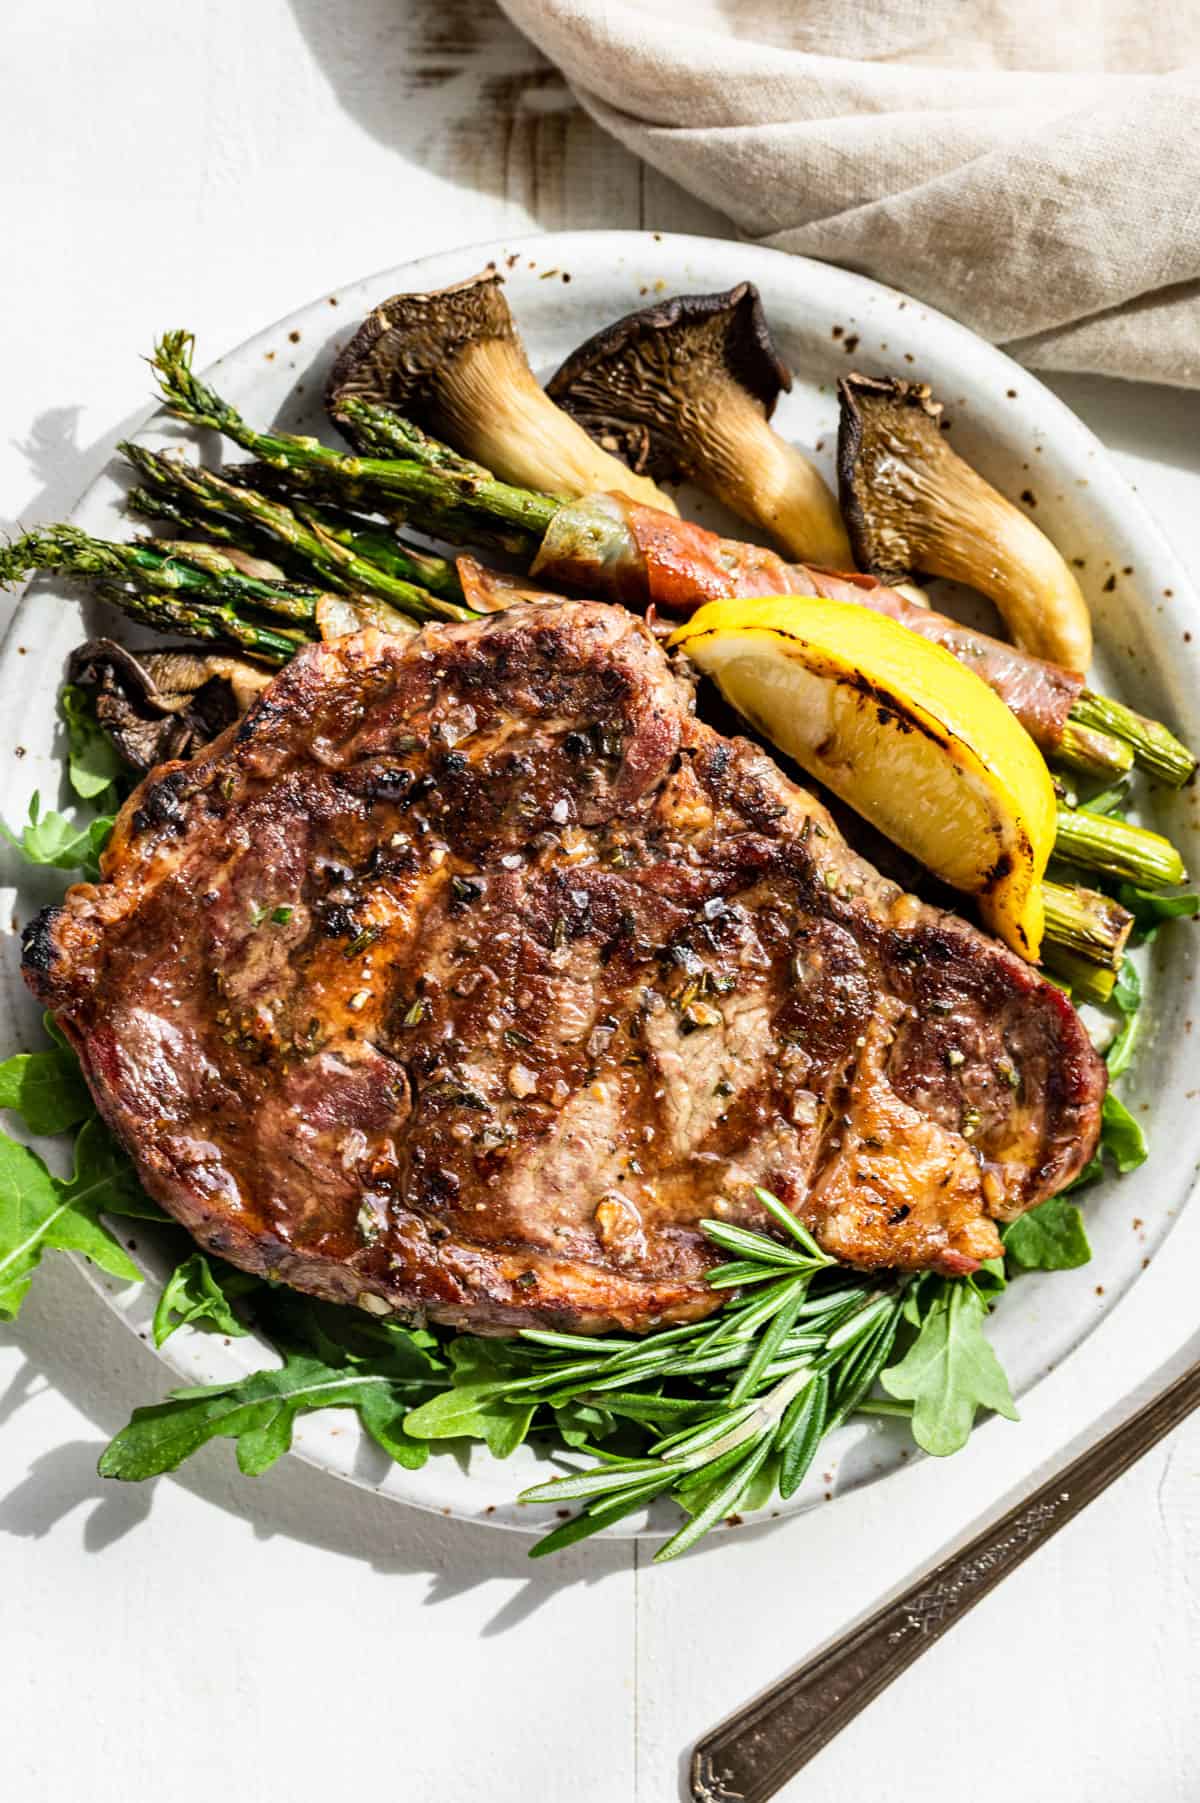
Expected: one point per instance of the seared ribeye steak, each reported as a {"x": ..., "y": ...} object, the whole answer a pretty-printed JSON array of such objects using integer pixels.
[{"x": 471, "y": 971}]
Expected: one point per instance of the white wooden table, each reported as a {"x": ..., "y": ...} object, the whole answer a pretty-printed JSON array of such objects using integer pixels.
[{"x": 216, "y": 164}]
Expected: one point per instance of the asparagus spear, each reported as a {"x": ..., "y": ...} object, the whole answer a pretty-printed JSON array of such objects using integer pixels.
[
  {"x": 1132, "y": 853},
  {"x": 459, "y": 504},
  {"x": 1093, "y": 754},
  {"x": 162, "y": 507},
  {"x": 1154, "y": 748},
  {"x": 171, "y": 612},
  {"x": 1087, "y": 982},
  {"x": 338, "y": 565},
  {"x": 1086, "y": 924},
  {"x": 199, "y": 572},
  {"x": 181, "y": 492},
  {"x": 375, "y": 544},
  {"x": 386, "y": 433}
]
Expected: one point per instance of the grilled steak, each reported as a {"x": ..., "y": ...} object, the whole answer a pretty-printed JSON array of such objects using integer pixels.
[{"x": 471, "y": 971}]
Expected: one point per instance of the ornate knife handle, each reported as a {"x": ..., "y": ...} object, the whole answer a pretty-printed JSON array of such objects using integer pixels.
[{"x": 750, "y": 1756}]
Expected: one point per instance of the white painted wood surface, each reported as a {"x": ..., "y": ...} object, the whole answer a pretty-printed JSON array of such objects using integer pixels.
[{"x": 291, "y": 1638}]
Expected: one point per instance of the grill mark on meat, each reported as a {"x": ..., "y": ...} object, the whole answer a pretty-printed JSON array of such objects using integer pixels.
[{"x": 470, "y": 971}]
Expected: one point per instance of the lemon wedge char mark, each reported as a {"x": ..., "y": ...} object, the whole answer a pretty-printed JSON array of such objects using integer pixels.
[{"x": 898, "y": 728}]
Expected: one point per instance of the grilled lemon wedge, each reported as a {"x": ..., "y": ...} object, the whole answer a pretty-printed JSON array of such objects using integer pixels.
[{"x": 903, "y": 732}]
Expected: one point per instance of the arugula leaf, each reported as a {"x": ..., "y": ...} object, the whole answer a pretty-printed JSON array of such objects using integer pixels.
[
  {"x": 93, "y": 763},
  {"x": 383, "y": 1413},
  {"x": 259, "y": 1412},
  {"x": 332, "y": 1358},
  {"x": 949, "y": 1371},
  {"x": 912, "y": 1305},
  {"x": 338, "y": 1335},
  {"x": 991, "y": 1279},
  {"x": 46, "y": 1089},
  {"x": 194, "y": 1293},
  {"x": 54, "y": 840},
  {"x": 473, "y": 1412},
  {"x": 1121, "y": 1136},
  {"x": 407, "y": 1352},
  {"x": 1119, "y": 1055},
  {"x": 579, "y": 1424},
  {"x": 49, "y": 838},
  {"x": 1049, "y": 1238},
  {"x": 1150, "y": 910},
  {"x": 1109, "y": 801},
  {"x": 1092, "y": 1171},
  {"x": 39, "y": 1211},
  {"x": 1127, "y": 990},
  {"x": 54, "y": 1031},
  {"x": 475, "y": 1408}
]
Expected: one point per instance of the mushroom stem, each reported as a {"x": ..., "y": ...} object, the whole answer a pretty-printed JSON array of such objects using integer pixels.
[
  {"x": 684, "y": 390},
  {"x": 747, "y": 464},
  {"x": 452, "y": 361},
  {"x": 503, "y": 416},
  {"x": 912, "y": 503}
]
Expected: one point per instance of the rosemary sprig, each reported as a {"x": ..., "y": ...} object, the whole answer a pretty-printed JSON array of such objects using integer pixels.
[{"x": 745, "y": 1395}]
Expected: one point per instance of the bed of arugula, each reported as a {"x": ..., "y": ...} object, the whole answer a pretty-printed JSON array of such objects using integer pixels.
[{"x": 718, "y": 1415}]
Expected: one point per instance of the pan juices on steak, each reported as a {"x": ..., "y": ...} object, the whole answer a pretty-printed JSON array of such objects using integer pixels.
[{"x": 471, "y": 971}]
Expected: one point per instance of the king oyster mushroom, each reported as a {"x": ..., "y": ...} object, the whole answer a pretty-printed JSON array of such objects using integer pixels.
[
  {"x": 685, "y": 389},
  {"x": 452, "y": 362},
  {"x": 912, "y": 504},
  {"x": 156, "y": 705}
]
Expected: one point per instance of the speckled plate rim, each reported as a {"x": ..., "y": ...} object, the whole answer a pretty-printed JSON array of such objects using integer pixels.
[{"x": 825, "y": 317}]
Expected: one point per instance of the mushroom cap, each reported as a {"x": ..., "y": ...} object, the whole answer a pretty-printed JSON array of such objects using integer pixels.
[
  {"x": 165, "y": 703},
  {"x": 882, "y": 415},
  {"x": 634, "y": 385},
  {"x": 405, "y": 342}
]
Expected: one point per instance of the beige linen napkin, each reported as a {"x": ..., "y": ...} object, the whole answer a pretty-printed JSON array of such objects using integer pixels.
[{"x": 1030, "y": 166}]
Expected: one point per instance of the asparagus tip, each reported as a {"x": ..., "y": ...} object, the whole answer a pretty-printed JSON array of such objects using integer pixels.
[{"x": 14, "y": 561}]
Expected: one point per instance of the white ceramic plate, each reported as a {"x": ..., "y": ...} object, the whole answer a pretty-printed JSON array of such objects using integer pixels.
[{"x": 562, "y": 288}]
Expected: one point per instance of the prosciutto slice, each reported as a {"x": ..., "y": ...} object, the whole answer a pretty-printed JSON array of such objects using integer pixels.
[{"x": 625, "y": 552}]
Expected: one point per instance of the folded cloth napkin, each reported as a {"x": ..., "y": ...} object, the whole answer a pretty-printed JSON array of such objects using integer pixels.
[{"x": 1030, "y": 166}]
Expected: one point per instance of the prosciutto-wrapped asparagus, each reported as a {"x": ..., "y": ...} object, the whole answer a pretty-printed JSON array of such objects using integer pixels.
[{"x": 608, "y": 545}]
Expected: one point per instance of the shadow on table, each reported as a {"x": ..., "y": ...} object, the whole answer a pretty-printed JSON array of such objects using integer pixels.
[
  {"x": 439, "y": 81},
  {"x": 72, "y": 1345},
  {"x": 60, "y": 464},
  {"x": 84, "y": 1351}
]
